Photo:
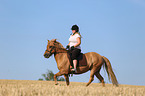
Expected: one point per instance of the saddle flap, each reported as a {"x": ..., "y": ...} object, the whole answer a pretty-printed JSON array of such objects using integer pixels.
[{"x": 82, "y": 61}]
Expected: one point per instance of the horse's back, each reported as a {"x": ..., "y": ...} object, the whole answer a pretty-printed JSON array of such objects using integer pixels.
[
  {"x": 92, "y": 54},
  {"x": 93, "y": 57}
]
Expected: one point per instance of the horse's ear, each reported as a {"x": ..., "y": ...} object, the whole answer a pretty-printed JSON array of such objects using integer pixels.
[
  {"x": 48, "y": 40},
  {"x": 54, "y": 40}
]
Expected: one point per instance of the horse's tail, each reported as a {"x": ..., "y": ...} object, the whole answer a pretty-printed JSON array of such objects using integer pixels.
[{"x": 110, "y": 71}]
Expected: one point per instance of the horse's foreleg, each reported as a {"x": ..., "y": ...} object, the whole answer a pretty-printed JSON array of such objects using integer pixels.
[
  {"x": 91, "y": 77},
  {"x": 55, "y": 77},
  {"x": 67, "y": 79}
]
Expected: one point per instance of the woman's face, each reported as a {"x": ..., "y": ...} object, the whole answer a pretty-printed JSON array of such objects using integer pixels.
[{"x": 73, "y": 31}]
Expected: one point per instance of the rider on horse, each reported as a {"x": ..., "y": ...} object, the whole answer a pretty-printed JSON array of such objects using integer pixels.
[{"x": 74, "y": 45}]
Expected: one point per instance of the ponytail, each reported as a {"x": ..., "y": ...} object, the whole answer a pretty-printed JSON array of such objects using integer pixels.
[{"x": 79, "y": 34}]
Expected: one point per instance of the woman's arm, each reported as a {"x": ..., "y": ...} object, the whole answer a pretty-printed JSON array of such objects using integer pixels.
[{"x": 79, "y": 42}]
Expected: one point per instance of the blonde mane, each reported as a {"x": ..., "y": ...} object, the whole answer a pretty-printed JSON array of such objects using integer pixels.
[{"x": 59, "y": 45}]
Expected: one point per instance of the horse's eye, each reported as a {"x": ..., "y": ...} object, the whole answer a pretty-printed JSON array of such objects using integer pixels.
[{"x": 50, "y": 47}]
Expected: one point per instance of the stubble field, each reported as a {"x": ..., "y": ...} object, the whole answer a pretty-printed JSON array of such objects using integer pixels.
[{"x": 47, "y": 88}]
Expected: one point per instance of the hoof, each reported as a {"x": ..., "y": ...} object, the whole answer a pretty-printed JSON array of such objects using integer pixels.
[
  {"x": 103, "y": 84},
  {"x": 87, "y": 85},
  {"x": 56, "y": 83}
]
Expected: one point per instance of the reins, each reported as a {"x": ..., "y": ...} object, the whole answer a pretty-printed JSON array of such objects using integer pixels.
[
  {"x": 60, "y": 50},
  {"x": 57, "y": 50}
]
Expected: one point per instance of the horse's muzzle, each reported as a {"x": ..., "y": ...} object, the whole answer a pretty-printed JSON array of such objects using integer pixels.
[{"x": 47, "y": 55}]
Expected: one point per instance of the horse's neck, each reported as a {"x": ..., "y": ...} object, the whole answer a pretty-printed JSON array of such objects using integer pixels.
[
  {"x": 59, "y": 53},
  {"x": 60, "y": 59}
]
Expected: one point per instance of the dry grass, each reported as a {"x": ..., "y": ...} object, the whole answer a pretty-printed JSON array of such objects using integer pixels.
[{"x": 47, "y": 88}]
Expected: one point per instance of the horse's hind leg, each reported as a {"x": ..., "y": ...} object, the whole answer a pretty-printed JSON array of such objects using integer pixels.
[
  {"x": 67, "y": 79},
  {"x": 91, "y": 77},
  {"x": 98, "y": 75}
]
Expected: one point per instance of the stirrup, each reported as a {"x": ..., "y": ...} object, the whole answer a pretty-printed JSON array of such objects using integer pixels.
[{"x": 74, "y": 70}]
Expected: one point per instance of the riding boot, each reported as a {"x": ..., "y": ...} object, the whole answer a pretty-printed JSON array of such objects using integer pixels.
[{"x": 74, "y": 70}]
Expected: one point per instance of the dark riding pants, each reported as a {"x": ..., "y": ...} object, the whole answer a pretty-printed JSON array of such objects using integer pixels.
[{"x": 75, "y": 53}]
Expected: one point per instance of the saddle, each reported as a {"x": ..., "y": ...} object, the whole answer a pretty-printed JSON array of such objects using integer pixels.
[{"x": 82, "y": 61}]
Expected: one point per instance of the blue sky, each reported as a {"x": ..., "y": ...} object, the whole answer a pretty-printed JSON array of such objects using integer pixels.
[{"x": 115, "y": 29}]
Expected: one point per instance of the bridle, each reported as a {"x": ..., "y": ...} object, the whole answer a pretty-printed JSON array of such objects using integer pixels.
[{"x": 51, "y": 50}]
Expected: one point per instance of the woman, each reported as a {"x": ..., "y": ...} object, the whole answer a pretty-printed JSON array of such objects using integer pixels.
[{"x": 74, "y": 45}]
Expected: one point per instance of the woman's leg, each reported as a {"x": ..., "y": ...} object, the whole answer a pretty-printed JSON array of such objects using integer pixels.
[
  {"x": 75, "y": 54},
  {"x": 75, "y": 65}
]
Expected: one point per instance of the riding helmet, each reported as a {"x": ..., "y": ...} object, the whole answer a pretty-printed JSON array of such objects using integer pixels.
[{"x": 75, "y": 27}]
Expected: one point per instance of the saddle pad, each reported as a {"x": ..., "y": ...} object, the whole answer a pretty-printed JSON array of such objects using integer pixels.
[{"x": 82, "y": 61}]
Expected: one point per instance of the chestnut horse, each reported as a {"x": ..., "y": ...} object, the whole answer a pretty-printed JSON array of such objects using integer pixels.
[{"x": 94, "y": 63}]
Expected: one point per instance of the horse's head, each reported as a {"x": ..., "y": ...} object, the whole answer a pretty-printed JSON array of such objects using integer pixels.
[{"x": 51, "y": 48}]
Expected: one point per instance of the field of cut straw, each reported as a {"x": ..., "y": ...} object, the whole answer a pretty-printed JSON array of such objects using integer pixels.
[{"x": 47, "y": 88}]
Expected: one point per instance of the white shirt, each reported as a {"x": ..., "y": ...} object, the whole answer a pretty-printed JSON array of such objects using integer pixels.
[{"x": 73, "y": 40}]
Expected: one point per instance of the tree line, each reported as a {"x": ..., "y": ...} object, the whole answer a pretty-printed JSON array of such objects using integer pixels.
[{"x": 49, "y": 76}]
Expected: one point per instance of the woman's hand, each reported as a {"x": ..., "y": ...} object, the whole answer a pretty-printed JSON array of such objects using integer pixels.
[
  {"x": 72, "y": 48},
  {"x": 67, "y": 47}
]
